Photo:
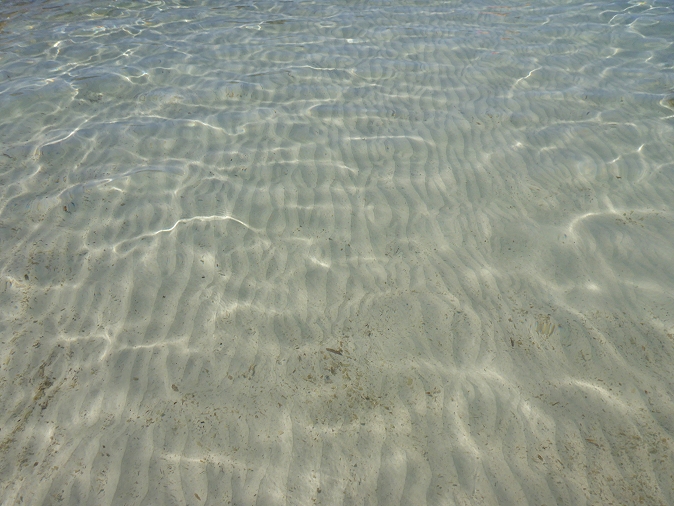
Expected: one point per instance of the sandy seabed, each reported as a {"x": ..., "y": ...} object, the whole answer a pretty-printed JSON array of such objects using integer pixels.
[{"x": 411, "y": 269}]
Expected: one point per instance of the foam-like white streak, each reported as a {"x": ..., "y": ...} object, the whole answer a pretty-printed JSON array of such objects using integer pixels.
[{"x": 184, "y": 221}]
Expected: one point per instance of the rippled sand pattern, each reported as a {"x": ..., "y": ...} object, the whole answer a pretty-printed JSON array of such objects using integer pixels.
[{"x": 300, "y": 253}]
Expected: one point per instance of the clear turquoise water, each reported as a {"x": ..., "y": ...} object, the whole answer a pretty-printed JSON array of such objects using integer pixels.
[{"x": 339, "y": 253}]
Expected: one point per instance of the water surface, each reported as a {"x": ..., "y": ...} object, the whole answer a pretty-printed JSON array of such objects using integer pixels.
[{"x": 337, "y": 253}]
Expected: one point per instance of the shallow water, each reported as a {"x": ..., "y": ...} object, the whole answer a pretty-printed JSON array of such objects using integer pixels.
[{"x": 337, "y": 253}]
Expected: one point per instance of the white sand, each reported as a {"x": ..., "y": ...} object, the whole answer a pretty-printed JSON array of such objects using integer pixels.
[{"x": 390, "y": 285}]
